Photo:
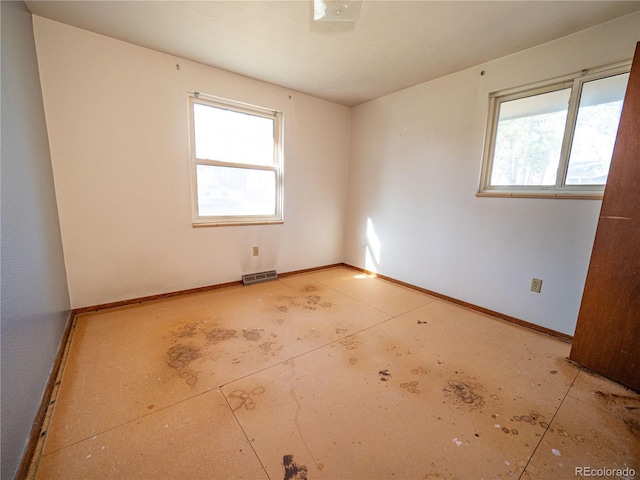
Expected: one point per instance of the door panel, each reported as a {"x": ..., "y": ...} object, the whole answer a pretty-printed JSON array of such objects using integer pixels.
[{"x": 607, "y": 337}]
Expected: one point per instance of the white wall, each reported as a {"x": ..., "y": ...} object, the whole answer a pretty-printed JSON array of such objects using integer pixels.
[
  {"x": 415, "y": 160},
  {"x": 117, "y": 118},
  {"x": 116, "y": 115},
  {"x": 34, "y": 299}
]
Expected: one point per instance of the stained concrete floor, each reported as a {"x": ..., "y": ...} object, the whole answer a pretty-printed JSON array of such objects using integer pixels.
[{"x": 326, "y": 375}]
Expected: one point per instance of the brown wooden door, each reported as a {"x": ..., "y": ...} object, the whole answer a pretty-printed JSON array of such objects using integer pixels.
[{"x": 607, "y": 337}]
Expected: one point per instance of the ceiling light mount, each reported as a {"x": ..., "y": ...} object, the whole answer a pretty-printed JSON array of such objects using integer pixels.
[{"x": 336, "y": 10}]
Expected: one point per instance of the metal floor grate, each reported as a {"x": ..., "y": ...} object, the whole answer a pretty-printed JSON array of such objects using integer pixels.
[{"x": 252, "y": 278}]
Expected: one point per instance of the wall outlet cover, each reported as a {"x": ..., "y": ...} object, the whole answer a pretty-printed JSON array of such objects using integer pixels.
[{"x": 536, "y": 285}]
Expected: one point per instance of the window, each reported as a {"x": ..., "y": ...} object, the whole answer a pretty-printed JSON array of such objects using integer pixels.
[
  {"x": 236, "y": 156},
  {"x": 554, "y": 140}
]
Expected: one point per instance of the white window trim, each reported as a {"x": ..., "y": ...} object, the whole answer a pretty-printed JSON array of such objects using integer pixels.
[
  {"x": 559, "y": 190},
  {"x": 277, "y": 167}
]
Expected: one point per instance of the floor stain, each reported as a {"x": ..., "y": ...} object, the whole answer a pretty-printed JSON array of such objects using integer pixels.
[
  {"x": 624, "y": 407},
  {"x": 562, "y": 431},
  {"x": 293, "y": 471},
  {"x": 313, "y": 299},
  {"x": 412, "y": 387},
  {"x": 353, "y": 361},
  {"x": 546, "y": 426},
  {"x": 190, "y": 376},
  {"x": 531, "y": 418},
  {"x": 464, "y": 393},
  {"x": 188, "y": 330},
  {"x": 241, "y": 398},
  {"x": 309, "y": 302},
  {"x": 180, "y": 356},
  {"x": 219, "y": 334},
  {"x": 251, "y": 335},
  {"x": 350, "y": 342},
  {"x": 257, "y": 391},
  {"x": 268, "y": 347},
  {"x": 419, "y": 371}
]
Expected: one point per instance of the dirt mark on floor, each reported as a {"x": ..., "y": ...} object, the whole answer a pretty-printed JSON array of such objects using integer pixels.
[
  {"x": 251, "y": 335},
  {"x": 351, "y": 342},
  {"x": 464, "y": 393},
  {"x": 241, "y": 398},
  {"x": 511, "y": 431},
  {"x": 188, "y": 330},
  {"x": 412, "y": 387},
  {"x": 270, "y": 347},
  {"x": 293, "y": 471},
  {"x": 300, "y": 302},
  {"x": 531, "y": 418},
  {"x": 193, "y": 341},
  {"x": 216, "y": 335},
  {"x": 624, "y": 407},
  {"x": 561, "y": 430},
  {"x": 180, "y": 356}
]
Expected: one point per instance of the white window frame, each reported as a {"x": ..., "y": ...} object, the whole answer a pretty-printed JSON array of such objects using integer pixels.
[
  {"x": 277, "y": 167},
  {"x": 560, "y": 189}
]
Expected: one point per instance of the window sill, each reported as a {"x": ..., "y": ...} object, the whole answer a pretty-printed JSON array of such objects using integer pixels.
[
  {"x": 541, "y": 194},
  {"x": 237, "y": 224}
]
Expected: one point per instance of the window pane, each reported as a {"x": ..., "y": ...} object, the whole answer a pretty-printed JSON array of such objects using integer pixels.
[
  {"x": 529, "y": 139},
  {"x": 230, "y": 136},
  {"x": 596, "y": 129},
  {"x": 228, "y": 191}
]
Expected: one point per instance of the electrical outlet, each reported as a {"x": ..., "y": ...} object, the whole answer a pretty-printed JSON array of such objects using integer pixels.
[
  {"x": 256, "y": 251},
  {"x": 536, "y": 285}
]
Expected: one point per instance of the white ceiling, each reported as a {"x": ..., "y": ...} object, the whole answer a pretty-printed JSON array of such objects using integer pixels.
[{"x": 394, "y": 45}]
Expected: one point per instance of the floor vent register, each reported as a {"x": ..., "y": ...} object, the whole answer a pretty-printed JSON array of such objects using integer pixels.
[{"x": 259, "y": 277}]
